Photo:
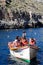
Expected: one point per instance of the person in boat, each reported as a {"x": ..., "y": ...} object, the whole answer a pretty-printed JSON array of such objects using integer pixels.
[
  {"x": 24, "y": 41},
  {"x": 16, "y": 42},
  {"x": 32, "y": 41},
  {"x": 24, "y": 34}
]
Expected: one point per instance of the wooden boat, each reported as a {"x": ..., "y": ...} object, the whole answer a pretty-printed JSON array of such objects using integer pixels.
[{"x": 25, "y": 53}]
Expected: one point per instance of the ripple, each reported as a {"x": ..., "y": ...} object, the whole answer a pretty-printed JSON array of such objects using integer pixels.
[{"x": 9, "y": 35}]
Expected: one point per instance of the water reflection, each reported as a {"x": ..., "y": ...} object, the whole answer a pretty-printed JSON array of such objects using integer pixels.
[
  {"x": 9, "y": 35},
  {"x": 15, "y": 61},
  {"x": 34, "y": 62}
]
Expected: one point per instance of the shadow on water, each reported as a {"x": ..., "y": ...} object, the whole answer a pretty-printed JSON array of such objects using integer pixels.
[{"x": 34, "y": 61}]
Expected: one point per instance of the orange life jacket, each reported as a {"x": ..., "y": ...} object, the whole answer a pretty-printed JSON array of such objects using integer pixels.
[
  {"x": 32, "y": 42},
  {"x": 24, "y": 42}
]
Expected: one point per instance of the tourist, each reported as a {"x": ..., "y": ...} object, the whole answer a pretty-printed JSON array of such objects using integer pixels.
[
  {"x": 24, "y": 41},
  {"x": 24, "y": 34},
  {"x": 32, "y": 41},
  {"x": 16, "y": 42}
]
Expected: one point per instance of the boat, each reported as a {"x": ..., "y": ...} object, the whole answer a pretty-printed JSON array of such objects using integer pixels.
[{"x": 25, "y": 53}]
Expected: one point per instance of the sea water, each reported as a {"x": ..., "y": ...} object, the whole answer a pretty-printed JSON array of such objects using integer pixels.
[{"x": 9, "y": 36}]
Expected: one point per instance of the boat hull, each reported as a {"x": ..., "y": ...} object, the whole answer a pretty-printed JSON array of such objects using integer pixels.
[
  {"x": 24, "y": 54},
  {"x": 33, "y": 53}
]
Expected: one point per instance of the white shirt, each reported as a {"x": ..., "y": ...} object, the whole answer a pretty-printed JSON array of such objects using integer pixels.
[{"x": 15, "y": 41}]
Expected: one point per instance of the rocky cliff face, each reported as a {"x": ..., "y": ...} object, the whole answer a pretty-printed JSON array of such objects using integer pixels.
[
  {"x": 27, "y": 5},
  {"x": 35, "y": 6},
  {"x": 20, "y": 9}
]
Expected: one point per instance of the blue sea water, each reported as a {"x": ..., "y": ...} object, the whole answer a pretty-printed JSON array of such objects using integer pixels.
[{"x": 9, "y": 35}]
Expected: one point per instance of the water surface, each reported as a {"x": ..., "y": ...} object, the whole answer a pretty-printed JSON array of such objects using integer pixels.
[{"x": 10, "y": 35}]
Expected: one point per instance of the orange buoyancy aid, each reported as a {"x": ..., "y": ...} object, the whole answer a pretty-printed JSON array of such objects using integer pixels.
[
  {"x": 24, "y": 42},
  {"x": 32, "y": 42}
]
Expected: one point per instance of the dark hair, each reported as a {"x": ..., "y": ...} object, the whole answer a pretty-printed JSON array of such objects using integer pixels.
[
  {"x": 24, "y": 32},
  {"x": 17, "y": 37},
  {"x": 32, "y": 39}
]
